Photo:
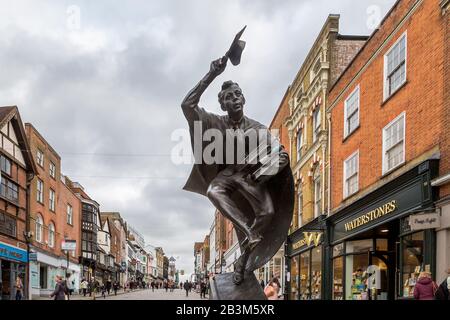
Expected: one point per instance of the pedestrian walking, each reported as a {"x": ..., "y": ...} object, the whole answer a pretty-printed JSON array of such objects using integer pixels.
[
  {"x": 19, "y": 288},
  {"x": 425, "y": 287},
  {"x": 442, "y": 292},
  {"x": 187, "y": 287},
  {"x": 61, "y": 291},
  {"x": 115, "y": 287},
  {"x": 84, "y": 286},
  {"x": 262, "y": 284},
  {"x": 108, "y": 286},
  {"x": 153, "y": 286},
  {"x": 272, "y": 289},
  {"x": 103, "y": 288},
  {"x": 202, "y": 290}
]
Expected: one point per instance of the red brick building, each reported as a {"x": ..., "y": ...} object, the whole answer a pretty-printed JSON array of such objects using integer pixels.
[
  {"x": 55, "y": 214},
  {"x": 390, "y": 156},
  {"x": 17, "y": 171}
]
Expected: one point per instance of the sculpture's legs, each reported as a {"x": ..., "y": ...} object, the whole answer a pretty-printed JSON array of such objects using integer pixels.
[{"x": 219, "y": 193}]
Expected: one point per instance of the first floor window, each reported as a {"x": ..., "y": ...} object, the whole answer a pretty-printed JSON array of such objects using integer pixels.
[
  {"x": 51, "y": 199},
  {"x": 351, "y": 112},
  {"x": 39, "y": 228},
  {"x": 40, "y": 191},
  {"x": 51, "y": 235},
  {"x": 351, "y": 171},
  {"x": 394, "y": 143}
]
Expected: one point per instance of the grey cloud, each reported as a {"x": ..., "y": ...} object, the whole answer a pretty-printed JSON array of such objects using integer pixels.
[{"x": 120, "y": 98}]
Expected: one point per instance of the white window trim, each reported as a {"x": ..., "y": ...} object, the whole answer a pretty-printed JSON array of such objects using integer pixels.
[
  {"x": 383, "y": 156},
  {"x": 346, "y": 132},
  {"x": 385, "y": 82},
  {"x": 52, "y": 204},
  {"x": 314, "y": 123},
  {"x": 299, "y": 147},
  {"x": 40, "y": 158},
  {"x": 52, "y": 166},
  {"x": 315, "y": 179},
  {"x": 41, "y": 198},
  {"x": 40, "y": 225},
  {"x": 69, "y": 215},
  {"x": 346, "y": 194},
  {"x": 51, "y": 242}
]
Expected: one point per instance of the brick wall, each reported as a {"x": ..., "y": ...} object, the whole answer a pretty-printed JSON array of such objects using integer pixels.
[{"x": 421, "y": 97}]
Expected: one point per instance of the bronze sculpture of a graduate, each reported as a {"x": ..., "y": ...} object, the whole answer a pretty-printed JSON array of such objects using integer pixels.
[{"x": 250, "y": 183}]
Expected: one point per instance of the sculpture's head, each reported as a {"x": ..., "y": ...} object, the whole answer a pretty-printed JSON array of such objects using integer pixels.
[{"x": 232, "y": 100}]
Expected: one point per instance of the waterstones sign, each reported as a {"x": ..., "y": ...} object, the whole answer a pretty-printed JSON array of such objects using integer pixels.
[
  {"x": 372, "y": 215},
  {"x": 391, "y": 206}
]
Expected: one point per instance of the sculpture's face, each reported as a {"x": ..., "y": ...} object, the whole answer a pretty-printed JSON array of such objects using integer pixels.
[{"x": 233, "y": 101}]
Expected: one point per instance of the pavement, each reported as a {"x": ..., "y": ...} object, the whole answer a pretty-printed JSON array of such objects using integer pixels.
[{"x": 141, "y": 294}]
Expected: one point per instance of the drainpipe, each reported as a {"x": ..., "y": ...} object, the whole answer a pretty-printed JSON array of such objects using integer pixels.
[{"x": 27, "y": 234}]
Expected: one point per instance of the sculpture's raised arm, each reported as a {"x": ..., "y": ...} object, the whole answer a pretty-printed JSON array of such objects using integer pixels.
[{"x": 190, "y": 102}]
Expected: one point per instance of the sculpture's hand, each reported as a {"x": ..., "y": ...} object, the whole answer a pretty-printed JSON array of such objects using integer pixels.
[{"x": 218, "y": 66}]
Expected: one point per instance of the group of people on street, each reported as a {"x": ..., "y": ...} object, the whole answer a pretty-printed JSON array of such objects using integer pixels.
[
  {"x": 202, "y": 287},
  {"x": 427, "y": 289}
]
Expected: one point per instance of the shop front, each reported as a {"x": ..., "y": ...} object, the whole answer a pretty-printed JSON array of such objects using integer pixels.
[
  {"x": 304, "y": 262},
  {"x": 13, "y": 262},
  {"x": 375, "y": 253}
]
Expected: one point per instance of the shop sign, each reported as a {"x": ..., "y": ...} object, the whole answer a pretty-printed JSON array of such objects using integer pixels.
[
  {"x": 385, "y": 209},
  {"x": 309, "y": 238},
  {"x": 424, "y": 221},
  {"x": 375, "y": 214},
  {"x": 69, "y": 245},
  {"x": 32, "y": 256},
  {"x": 12, "y": 253}
]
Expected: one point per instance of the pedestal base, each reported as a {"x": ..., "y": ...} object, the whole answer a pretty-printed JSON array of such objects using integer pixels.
[{"x": 223, "y": 288}]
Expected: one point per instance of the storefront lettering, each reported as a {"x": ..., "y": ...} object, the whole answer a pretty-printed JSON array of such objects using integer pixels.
[
  {"x": 309, "y": 237},
  {"x": 372, "y": 215}
]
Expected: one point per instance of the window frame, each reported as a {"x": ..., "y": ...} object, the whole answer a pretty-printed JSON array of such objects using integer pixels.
[
  {"x": 51, "y": 235},
  {"x": 52, "y": 170},
  {"x": 40, "y": 160},
  {"x": 40, "y": 192},
  {"x": 316, "y": 123},
  {"x": 347, "y": 131},
  {"x": 317, "y": 179},
  {"x": 5, "y": 160},
  {"x": 385, "y": 169},
  {"x": 69, "y": 213},
  {"x": 299, "y": 143},
  {"x": 52, "y": 202},
  {"x": 345, "y": 178},
  {"x": 39, "y": 228},
  {"x": 386, "y": 83}
]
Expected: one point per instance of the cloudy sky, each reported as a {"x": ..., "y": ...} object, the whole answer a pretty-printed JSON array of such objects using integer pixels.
[{"x": 103, "y": 81}]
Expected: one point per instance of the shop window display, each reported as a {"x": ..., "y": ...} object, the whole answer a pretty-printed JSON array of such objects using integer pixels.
[
  {"x": 356, "y": 277},
  {"x": 338, "y": 275},
  {"x": 316, "y": 273},
  {"x": 305, "y": 290},
  {"x": 294, "y": 294},
  {"x": 412, "y": 256}
]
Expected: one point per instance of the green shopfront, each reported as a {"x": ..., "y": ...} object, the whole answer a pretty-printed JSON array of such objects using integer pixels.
[
  {"x": 304, "y": 262},
  {"x": 372, "y": 253}
]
